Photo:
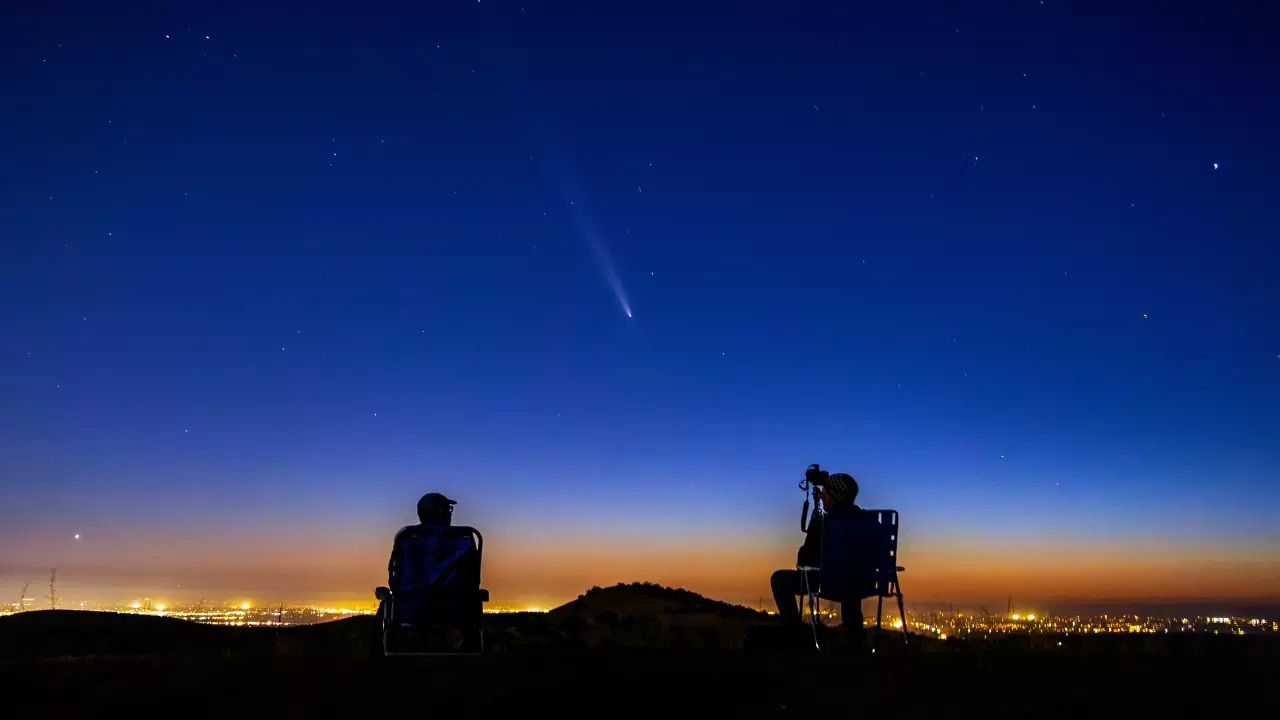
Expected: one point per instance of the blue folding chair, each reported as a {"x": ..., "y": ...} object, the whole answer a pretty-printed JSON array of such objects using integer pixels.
[
  {"x": 434, "y": 605},
  {"x": 859, "y": 559}
]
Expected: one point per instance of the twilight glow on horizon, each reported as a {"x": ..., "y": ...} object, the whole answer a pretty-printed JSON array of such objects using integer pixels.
[{"x": 612, "y": 277}]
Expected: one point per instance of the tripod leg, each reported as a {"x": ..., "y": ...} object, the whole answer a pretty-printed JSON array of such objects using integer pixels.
[{"x": 879, "y": 610}]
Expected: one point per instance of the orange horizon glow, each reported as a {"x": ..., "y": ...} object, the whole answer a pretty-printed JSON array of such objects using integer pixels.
[{"x": 548, "y": 574}]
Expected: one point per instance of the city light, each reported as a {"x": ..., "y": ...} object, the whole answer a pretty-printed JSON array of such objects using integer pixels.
[{"x": 939, "y": 624}]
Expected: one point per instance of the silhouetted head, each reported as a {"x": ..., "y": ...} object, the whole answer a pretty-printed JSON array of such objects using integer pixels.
[
  {"x": 435, "y": 508},
  {"x": 839, "y": 489}
]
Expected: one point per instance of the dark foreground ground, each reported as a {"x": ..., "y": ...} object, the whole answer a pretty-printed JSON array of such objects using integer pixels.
[
  {"x": 58, "y": 664},
  {"x": 639, "y": 684}
]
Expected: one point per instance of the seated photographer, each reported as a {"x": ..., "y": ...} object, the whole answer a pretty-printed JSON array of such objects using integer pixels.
[{"x": 829, "y": 492}]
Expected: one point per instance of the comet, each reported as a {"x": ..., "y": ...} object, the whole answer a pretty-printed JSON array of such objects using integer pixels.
[
  {"x": 605, "y": 263},
  {"x": 573, "y": 191}
]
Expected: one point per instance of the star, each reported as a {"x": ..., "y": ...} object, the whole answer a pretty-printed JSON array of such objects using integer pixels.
[
  {"x": 1215, "y": 166},
  {"x": 166, "y": 37},
  {"x": 1144, "y": 315},
  {"x": 77, "y": 536}
]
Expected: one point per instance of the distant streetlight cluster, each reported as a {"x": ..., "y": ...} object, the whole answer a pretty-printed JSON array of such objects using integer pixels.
[
  {"x": 952, "y": 624},
  {"x": 243, "y": 614}
]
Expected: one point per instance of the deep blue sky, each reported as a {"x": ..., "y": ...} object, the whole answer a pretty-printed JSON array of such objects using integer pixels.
[{"x": 269, "y": 274}]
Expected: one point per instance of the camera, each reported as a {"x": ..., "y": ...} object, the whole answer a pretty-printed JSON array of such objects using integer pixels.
[{"x": 816, "y": 475}]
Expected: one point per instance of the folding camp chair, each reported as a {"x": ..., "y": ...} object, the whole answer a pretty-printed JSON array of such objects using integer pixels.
[
  {"x": 859, "y": 559},
  {"x": 435, "y": 605}
]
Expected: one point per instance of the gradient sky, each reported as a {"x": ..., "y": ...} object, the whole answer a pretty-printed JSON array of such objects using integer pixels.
[{"x": 270, "y": 271}]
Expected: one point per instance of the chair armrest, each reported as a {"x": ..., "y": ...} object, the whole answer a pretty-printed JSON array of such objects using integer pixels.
[
  {"x": 382, "y": 593},
  {"x": 484, "y": 595}
]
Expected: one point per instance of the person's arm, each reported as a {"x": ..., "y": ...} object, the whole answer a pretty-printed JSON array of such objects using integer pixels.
[{"x": 810, "y": 554}]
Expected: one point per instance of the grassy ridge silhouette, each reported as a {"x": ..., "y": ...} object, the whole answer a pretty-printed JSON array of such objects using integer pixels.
[{"x": 637, "y": 615}]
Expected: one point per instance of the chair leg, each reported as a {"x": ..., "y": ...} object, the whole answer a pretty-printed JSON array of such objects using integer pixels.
[{"x": 903, "y": 613}]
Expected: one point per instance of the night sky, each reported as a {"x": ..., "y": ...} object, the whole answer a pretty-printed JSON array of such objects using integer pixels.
[{"x": 612, "y": 274}]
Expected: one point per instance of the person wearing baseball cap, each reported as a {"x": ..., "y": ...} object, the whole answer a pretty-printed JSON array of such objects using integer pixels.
[{"x": 435, "y": 509}]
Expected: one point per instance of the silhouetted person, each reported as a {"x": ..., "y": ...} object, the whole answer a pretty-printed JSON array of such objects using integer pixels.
[
  {"x": 434, "y": 510},
  {"x": 433, "y": 579},
  {"x": 839, "y": 491}
]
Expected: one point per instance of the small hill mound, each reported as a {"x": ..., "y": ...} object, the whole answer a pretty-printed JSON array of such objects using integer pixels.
[
  {"x": 650, "y": 615},
  {"x": 644, "y": 598}
]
